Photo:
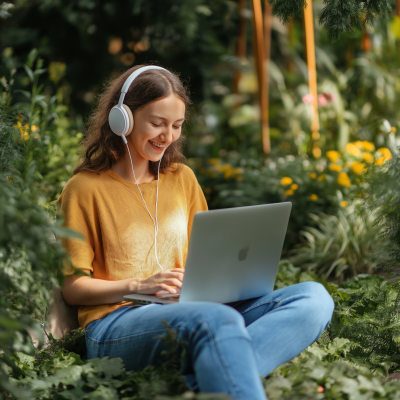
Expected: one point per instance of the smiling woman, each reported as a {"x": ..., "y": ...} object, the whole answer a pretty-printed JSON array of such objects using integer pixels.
[
  {"x": 157, "y": 126},
  {"x": 127, "y": 250},
  {"x": 103, "y": 149}
]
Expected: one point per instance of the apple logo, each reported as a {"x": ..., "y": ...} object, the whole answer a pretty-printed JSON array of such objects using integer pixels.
[{"x": 243, "y": 253}]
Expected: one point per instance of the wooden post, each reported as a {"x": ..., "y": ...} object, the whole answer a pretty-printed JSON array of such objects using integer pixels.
[
  {"x": 241, "y": 45},
  {"x": 366, "y": 43},
  {"x": 267, "y": 45},
  {"x": 259, "y": 56},
  {"x": 312, "y": 76}
]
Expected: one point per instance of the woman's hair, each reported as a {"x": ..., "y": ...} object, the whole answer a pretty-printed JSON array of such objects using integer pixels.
[{"x": 102, "y": 147}]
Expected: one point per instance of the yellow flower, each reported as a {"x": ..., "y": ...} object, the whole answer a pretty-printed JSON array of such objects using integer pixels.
[
  {"x": 393, "y": 129},
  {"x": 313, "y": 175},
  {"x": 386, "y": 155},
  {"x": 335, "y": 167},
  {"x": 333, "y": 155},
  {"x": 343, "y": 179},
  {"x": 353, "y": 150},
  {"x": 359, "y": 144},
  {"x": 286, "y": 181},
  {"x": 313, "y": 197},
  {"x": 289, "y": 192},
  {"x": 321, "y": 178},
  {"x": 385, "y": 152},
  {"x": 368, "y": 146},
  {"x": 56, "y": 71},
  {"x": 367, "y": 157},
  {"x": 24, "y": 130},
  {"x": 212, "y": 161},
  {"x": 295, "y": 186},
  {"x": 344, "y": 203},
  {"x": 357, "y": 167},
  {"x": 229, "y": 171}
]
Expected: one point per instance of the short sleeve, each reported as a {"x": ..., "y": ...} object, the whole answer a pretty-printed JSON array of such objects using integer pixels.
[
  {"x": 76, "y": 204},
  {"x": 197, "y": 201}
]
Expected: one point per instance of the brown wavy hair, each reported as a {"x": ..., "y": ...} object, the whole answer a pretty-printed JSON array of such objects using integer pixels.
[{"x": 102, "y": 148}]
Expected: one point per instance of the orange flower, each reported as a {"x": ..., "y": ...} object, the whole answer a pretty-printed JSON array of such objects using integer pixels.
[{"x": 286, "y": 181}]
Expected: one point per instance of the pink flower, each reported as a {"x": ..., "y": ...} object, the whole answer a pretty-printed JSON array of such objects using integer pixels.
[
  {"x": 322, "y": 100},
  {"x": 308, "y": 98}
]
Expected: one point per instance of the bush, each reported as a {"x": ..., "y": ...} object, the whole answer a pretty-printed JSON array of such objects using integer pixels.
[
  {"x": 382, "y": 188},
  {"x": 326, "y": 185},
  {"x": 339, "y": 246}
]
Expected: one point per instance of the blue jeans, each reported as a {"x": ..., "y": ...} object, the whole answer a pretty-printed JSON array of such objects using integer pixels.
[{"x": 228, "y": 346}]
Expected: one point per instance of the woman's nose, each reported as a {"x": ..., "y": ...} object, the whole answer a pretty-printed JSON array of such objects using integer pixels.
[{"x": 167, "y": 134}]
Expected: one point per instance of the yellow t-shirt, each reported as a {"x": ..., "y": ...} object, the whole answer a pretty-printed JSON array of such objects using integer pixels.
[{"x": 119, "y": 233}]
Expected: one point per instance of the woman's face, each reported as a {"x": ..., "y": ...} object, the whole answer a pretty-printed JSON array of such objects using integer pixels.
[{"x": 156, "y": 126}]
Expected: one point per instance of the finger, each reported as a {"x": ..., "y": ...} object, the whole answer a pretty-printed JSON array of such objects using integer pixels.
[
  {"x": 173, "y": 282},
  {"x": 167, "y": 288},
  {"x": 176, "y": 275},
  {"x": 179, "y": 271},
  {"x": 165, "y": 294}
]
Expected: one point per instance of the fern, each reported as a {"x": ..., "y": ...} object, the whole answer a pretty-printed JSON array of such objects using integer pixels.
[{"x": 382, "y": 188}]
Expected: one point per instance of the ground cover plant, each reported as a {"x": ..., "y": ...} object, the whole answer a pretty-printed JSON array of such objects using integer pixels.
[{"x": 349, "y": 361}]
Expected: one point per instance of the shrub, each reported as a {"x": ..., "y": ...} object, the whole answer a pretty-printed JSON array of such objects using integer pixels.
[
  {"x": 325, "y": 185},
  {"x": 382, "y": 188},
  {"x": 339, "y": 246}
]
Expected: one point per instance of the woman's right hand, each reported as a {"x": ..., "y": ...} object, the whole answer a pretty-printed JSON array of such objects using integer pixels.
[{"x": 162, "y": 282}]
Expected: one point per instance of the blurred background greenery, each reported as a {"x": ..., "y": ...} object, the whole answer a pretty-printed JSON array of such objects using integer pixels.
[{"x": 56, "y": 56}]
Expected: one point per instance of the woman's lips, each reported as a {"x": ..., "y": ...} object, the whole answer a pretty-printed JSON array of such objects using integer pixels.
[{"x": 156, "y": 147}]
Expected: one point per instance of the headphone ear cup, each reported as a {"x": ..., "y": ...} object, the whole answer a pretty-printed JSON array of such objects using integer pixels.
[{"x": 130, "y": 117}]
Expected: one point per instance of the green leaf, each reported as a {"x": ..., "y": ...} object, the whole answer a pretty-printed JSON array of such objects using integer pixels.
[
  {"x": 31, "y": 58},
  {"x": 29, "y": 73}
]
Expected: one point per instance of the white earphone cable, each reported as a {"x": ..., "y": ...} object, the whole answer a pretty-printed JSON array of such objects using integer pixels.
[{"x": 155, "y": 223}]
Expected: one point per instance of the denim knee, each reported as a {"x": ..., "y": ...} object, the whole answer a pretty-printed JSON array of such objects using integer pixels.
[
  {"x": 318, "y": 302},
  {"x": 218, "y": 317}
]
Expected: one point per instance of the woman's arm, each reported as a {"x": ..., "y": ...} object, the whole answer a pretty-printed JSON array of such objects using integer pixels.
[{"x": 87, "y": 291}]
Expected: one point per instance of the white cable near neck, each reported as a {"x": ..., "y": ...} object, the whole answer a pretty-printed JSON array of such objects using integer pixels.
[{"x": 155, "y": 223}]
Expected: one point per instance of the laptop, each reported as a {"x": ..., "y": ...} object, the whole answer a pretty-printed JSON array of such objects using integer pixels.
[{"x": 233, "y": 255}]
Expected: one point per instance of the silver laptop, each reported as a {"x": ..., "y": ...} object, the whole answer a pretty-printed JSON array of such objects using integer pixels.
[{"x": 233, "y": 255}]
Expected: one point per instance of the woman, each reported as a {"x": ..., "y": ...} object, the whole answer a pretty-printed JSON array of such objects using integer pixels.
[{"x": 134, "y": 205}]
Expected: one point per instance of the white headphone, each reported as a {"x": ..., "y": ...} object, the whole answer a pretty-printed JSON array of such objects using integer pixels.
[
  {"x": 121, "y": 123},
  {"x": 120, "y": 117}
]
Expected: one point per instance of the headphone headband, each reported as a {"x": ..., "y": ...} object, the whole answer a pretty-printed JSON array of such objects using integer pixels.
[{"x": 133, "y": 76}]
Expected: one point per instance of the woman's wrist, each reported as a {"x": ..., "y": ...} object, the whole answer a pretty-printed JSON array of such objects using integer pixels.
[{"x": 134, "y": 285}]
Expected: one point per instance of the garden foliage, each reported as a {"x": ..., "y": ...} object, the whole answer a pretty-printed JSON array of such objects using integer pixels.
[
  {"x": 382, "y": 195},
  {"x": 338, "y": 16},
  {"x": 340, "y": 246},
  {"x": 39, "y": 139}
]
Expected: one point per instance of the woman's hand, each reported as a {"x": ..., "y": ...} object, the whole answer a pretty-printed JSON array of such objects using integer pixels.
[{"x": 168, "y": 281}]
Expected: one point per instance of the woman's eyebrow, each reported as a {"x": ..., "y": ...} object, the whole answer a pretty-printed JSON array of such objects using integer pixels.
[{"x": 157, "y": 116}]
